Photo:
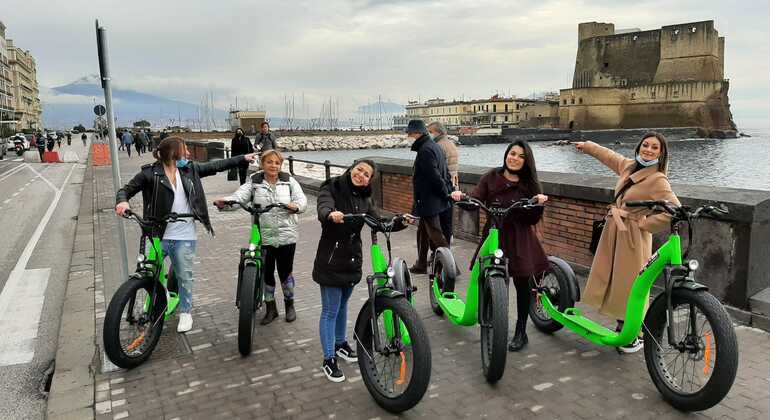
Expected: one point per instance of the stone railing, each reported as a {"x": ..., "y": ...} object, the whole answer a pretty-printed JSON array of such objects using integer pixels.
[{"x": 734, "y": 251}]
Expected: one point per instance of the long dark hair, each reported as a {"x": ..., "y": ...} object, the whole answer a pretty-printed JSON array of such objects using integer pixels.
[
  {"x": 663, "y": 159},
  {"x": 528, "y": 173}
]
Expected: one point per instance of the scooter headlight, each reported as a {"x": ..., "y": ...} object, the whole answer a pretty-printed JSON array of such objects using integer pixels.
[
  {"x": 391, "y": 272},
  {"x": 693, "y": 265},
  {"x": 140, "y": 258},
  {"x": 498, "y": 253},
  {"x": 252, "y": 247}
]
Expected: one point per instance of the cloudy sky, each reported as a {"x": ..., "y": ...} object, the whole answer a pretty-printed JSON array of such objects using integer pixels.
[{"x": 355, "y": 50}]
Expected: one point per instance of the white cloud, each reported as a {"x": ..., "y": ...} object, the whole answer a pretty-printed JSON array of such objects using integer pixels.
[{"x": 355, "y": 50}]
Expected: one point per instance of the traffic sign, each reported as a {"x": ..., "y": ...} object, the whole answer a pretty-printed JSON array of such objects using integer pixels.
[{"x": 100, "y": 110}]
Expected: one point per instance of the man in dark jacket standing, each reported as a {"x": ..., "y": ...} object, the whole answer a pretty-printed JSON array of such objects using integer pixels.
[
  {"x": 265, "y": 140},
  {"x": 431, "y": 185},
  {"x": 241, "y": 145}
]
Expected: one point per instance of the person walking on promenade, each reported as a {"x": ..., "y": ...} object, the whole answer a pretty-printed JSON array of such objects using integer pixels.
[
  {"x": 431, "y": 186},
  {"x": 84, "y": 138},
  {"x": 138, "y": 142},
  {"x": 626, "y": 241},
  {"x": 58, "y": 141},
  {"x": 173, "y": 184},
  {"x": 439, "y": 135},
  {"x": 241, "y": 145},
  {"x": 128, "y": 141},
  {"x": 278, "y": 227},
  {"x": 143, "y": 141},
  {"x": 40, "y": 141},
  {"x": 265, "y": 140},
  {"x": 338, "y": 260},
  {"x": 50, "y": 142},
  {"x": 69, "y": 138},
  {"x": 501, "y": 187}
]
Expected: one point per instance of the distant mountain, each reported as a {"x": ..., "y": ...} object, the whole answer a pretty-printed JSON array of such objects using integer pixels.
[
  {"x": 383, "y": 107},
  {"x": 72, "y": 104}
]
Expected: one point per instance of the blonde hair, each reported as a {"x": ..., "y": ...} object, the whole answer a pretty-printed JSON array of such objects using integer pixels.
[{"x": 268, "y": 153}]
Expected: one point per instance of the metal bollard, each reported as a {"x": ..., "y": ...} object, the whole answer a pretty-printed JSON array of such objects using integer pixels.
[
  {"x": 327, "y": 169},
  {"x": 291, "y": 164}
]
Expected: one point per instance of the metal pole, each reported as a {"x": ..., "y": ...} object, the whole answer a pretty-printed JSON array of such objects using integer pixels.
[{"x": 101, "y": 44}]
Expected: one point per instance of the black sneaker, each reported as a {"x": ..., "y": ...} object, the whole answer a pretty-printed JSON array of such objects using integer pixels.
[
  {"x": 332, "y": 371},
  {"x": 344, "y": 351},
  {"x": 632, "y": 347}
]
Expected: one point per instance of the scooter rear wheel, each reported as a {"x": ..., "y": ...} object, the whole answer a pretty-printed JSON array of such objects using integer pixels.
[{"x": 556, "y": 284}]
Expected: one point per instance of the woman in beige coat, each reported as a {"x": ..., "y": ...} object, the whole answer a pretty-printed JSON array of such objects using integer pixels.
[{"x": 626, "y": 242}]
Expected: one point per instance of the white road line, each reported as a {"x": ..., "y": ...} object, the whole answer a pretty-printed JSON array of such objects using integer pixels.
[
  {"x": 22, "y": 299},
  {"x": 10, "y": 172},
  {"x": 21, "y": 303},
  {"x": 50, "y": 184}
]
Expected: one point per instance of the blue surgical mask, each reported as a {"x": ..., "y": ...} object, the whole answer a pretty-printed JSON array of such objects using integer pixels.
[
  {"x": 646, "y": 163},
  {"x": 181, "y": 163}
]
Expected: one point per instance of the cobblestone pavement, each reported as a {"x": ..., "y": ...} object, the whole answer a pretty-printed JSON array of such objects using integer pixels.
[{"x": 201, "y": 374}]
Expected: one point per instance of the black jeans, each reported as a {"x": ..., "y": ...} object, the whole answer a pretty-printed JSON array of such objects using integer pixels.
[
  {"x": 281, "y": 257},
  {"x": 430, "y": 236},
  {"x": 242, "y": 172}
]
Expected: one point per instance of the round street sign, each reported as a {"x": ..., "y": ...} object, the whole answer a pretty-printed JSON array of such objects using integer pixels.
[{"x": 100, "y": 110}]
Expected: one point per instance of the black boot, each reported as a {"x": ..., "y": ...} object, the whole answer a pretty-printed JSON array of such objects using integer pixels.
[
  {"x": 271, "y": 313},
  {"x": 520, "y": 339},
  {"x": 291, "y": 314}
]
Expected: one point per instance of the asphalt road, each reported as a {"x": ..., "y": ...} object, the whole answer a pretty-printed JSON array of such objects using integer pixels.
[{"x": 38, "y": 213}]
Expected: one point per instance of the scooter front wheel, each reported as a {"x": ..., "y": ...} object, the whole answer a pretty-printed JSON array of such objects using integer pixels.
[
  {"x": 397, "y": 377},
  {"x": 494, "y": 328},
  {"x": 698, "y": 370}
]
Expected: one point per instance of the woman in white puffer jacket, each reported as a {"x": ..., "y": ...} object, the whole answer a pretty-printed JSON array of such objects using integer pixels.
[{"x": 278, "y": 227}]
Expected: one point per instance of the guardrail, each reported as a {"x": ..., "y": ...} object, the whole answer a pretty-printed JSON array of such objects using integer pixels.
[{"x": 327, "y": 165}]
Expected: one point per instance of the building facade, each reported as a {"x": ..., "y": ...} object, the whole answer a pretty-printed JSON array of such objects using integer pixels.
[
  {"x": 6, "y": 95},
  {"x": 26, "y": 94},
  {"x": 668, "y": 77},
  {"x": 497, "y": 111}
]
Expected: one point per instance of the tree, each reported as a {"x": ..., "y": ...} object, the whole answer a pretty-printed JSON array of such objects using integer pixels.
[
  {"x": 142, "y": 124},
  {"x": 79, "y": 128}
]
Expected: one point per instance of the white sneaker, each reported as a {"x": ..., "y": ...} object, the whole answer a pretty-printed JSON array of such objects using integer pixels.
[
  {"x": 185, "y": 322},
  {"x": 633, "y": 347}
]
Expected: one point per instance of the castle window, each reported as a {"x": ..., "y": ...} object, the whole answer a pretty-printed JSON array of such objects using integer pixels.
[
  {"x": 572, "y": 101},
  {"x": 652, "y": 94},
  {"x": 565, "y": 103},
  {"x": 633, "y": 96},
  {"x": 580, "y": 100},
  {"x": 494, "y": 108},
  {"x": 606, "y": 65}
]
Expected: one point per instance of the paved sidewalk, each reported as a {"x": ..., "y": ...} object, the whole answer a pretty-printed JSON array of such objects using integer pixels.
[{"x": 201, "y": 374}]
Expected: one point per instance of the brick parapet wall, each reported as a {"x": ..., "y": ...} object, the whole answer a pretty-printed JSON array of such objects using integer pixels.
[{"x": 733, "y": 251}]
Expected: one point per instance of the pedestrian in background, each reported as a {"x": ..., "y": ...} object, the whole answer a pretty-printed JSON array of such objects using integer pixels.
[
  {"x": 265, "y": 140},
  {"x": 439, "y": 135},
  {"x": 40, "y": 143},
  {"x": 431, "y": 186},
  {"x": 241, "y": 145},
  {"x": 128, "y": 141},
  {"x": 138, "y": 142},
  {"x": 84, "y": 138}
]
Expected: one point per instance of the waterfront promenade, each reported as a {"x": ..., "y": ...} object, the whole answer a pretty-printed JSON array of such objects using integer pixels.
[{"x": 201, "y": 374}]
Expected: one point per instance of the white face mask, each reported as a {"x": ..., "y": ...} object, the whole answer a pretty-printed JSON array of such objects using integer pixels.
[{"x": 646, "y": 163}]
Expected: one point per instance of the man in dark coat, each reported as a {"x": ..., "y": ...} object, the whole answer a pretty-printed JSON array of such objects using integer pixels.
[
  {"x": 431, "y": 185},
  {"x": 265, "y": 140},
  {"x": 241, "y": 145}
]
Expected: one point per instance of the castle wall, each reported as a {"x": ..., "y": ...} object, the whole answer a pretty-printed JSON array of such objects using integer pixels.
[
  {"x": 679, "y": 104},
  {"x": 619, "y": 60}
]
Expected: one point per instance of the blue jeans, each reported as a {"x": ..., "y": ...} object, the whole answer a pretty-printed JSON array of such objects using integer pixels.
[
  {"x": 334, "y": 317},
  {"x": 182, "y": 254}
]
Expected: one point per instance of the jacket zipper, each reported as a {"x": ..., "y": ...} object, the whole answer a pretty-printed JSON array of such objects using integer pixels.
[{"x": 333, "y": 251}]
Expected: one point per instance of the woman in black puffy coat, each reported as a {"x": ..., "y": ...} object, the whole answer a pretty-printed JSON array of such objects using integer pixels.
[{"x": 338, "y": 261}]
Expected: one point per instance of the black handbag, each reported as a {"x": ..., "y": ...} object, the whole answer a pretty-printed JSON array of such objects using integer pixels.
[
  {"x": 232, "y": 174},
  {"x": 598, "y": 225}
]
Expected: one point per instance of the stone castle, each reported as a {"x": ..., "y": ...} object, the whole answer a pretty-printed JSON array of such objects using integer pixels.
[{"x": 668, "y": 77}]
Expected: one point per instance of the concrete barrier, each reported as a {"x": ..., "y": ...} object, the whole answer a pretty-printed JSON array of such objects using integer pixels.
[{"x": 31, "y": 156}]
